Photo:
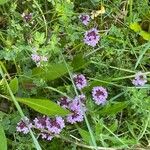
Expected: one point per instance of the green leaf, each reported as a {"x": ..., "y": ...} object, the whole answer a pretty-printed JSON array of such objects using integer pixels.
[
  {"x": 85, "y": 135},
  {"x": 14, "y": 85},
  {"x": 44, "y": 106},
  {"x": 78, "y": 62},
  {"x": 99, "y": 128},
  {"x": 3, "y": 145},
  {"x": 51, "y": 72},
  {"x": 145, "y": 35},
  {"x": 39, "y": 37},
  {"x": 3, "y": 2},
  {"x": 135, "y": 27},
  {"x": 114, "y": 126},
  {"x": 112, "y": 109}
]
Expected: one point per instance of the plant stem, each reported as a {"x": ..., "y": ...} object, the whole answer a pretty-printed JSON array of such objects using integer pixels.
[
  {"x": 18, "y": 106},
  {"x": 85, "y": 117}
]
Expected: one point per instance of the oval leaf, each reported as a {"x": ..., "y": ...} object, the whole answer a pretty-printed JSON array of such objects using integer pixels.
[
  {"x": 85, "y": 135},
  {"x": 112, "y": 109},
  {"x": 44, "y": 106},
  {"x": 51, "y": 72},
  {"x": 135, "y": 27},
  {"x": 78, "y": 62},
  {"x": 3, "y": 145}
]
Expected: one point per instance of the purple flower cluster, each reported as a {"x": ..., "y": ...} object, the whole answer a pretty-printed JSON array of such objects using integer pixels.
[
  {"x": 24, "y": 125},
  {"x": 38, "y": 59},
  {"x": 64, "y": 102},
  {"x": 40, "y": 122},
  {"x": 85, "y": 19},
  {"x": 99, "y": 95},
  {"x": 77, "y": 114},
  {"x": 91, "y": 37},
  {"x": 80, "y": 81},
  {"x": 50, "y": 127},
  {"x": 140, "y": 79},
  {"x": 53, "y": 126}
]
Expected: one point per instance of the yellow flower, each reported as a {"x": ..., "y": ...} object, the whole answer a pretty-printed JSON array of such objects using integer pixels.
[{"x": 96, "y": 13}]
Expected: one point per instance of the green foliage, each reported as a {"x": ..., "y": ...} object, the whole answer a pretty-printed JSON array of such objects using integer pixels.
[
  {"x": 55, "y": 29},
  {"x": 14, "y": 85},
  {"x": 3, "y": 145},
  {"x": 113, "y": 109},
  {"x": 44, "y": 106},
  {"x": 39, "y": 38},
  {"x": 51, "y": 72},
  {"x": 78, "y": 62},
  {"x": 3, "y": 2},
  {"x": 137, "y": 28},
  {"x": 85, "y": 135}
]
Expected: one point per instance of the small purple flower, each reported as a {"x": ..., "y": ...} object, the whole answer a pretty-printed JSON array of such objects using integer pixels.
[
  {"x": 99, "y": 95},
  {"x": 140, "y": 79},
  {"x": 55, "y": 125},
  {"x": 27, "y": 16},
  {"x": 81, "y": 98},
  {"x": 85, "y": 19},
  {"x": 64, "y": 102},
  {"x": 36, "y": 58},
  {"x": 40, "y": 122},
  {"x": 75, "y": 117},
  {"x": 46, "y": 136},
  {"x": 91, "y": 37},
  {"x": 23, "y": 126},
  {"x": 77, "y": 113},
  {"x": 80, "y": 81}
]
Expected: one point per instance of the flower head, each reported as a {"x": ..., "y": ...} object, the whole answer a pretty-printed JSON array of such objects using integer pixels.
[
  {"x": 81, "y": 98},
  {"x": 80, "y": 81},
  {"x": 77, "y": 112},
  {"x": 99, "y": 95},
  {"x": 27, "y": 16},
  {"x": 46, "y": 136},
  {"x": 140, "y": 79},
  {"x": 24, "y": 125},
  {"x": 35, "y": 57},
  {"x": 75, "y": 104},
  {"x": 55, "y": 125},
  {"x": 91, "y": 37},
  {"x": 85, "y": 19},
  {"x": 40, "y": 122},
  {"x": 64, "y": 102},
  {"x": 38, "y": 59}
]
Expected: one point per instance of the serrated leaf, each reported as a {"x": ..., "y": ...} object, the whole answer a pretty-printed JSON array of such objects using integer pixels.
[
  {"x": 44, "y": 106},
  {"x": 39, "y": 37},
  {"x": 51, "y": 72},
  {"x": 112, "y": 109},
  {"x": 3, "y": 145},
  {"x": 85, "y": 135},
  {"x": 135, "y": 27},
  {"x": 14, "y": 85}
]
